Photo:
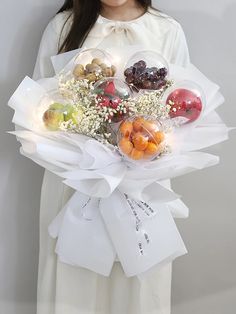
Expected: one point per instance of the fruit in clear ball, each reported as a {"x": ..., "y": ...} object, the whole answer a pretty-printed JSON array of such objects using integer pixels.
[
  {"x": 59, "y": 113},
  {"x": 93, "y": 65},
  {"x": 57, "y": 106},
  {"x": 126, "y": 128},
  {"x": 185, "y": 103},
  {"x": 140, "y": 138},
  {"x": 146, "y": 70},
  {"x": 53, "y": 118},
  {"x": 72, "y": 113},
  {"x": 126, "y": 145},
  {"x": 136, "y": 154},
  {"x": 110, "y": 93},
  {"x": 151, "y": 149},
  {"x": 158, "y": 137},
  {"x": 142, "y": 77}
]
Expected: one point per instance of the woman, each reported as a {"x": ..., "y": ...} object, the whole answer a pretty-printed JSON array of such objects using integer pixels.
[{"x": 63, "y": 289}]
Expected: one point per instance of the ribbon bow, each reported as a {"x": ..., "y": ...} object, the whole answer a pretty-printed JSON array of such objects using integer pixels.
[{"x": 119, "y": 33}]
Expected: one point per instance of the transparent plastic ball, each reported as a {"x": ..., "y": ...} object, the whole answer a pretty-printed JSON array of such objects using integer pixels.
[
  {"x": 93, "y": 65},
  {"x": 54, "y": 109},
  {"x": 146, "y": 70},
  {"x": 111, "y": 92},
  {"x": 187, "y": 101},
  {"x": 140, "y": 138}
]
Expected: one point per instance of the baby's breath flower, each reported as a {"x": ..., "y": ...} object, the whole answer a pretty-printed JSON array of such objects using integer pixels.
[{"x": 94, "y": 119}]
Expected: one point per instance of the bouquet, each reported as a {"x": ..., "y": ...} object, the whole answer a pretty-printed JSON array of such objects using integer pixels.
[{"x": 116, "y": 135}]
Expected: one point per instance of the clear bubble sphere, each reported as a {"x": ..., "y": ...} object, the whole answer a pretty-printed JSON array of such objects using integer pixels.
[
  {"x": 187, "y": 101},
  {"x": 93, "y": 65},
  {"x": 140, "y": 138},
  {"x": 146, "y": 70}
]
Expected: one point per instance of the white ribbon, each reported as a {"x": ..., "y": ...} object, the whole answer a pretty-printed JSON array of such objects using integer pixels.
[{"x": 90, "y": 232}]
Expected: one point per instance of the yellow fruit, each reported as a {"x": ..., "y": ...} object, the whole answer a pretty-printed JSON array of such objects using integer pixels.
[
  {"x": 97, "y": 61},
  {"x": 151, "y": 149},
  {"x": 93, "y": 68},
  {"x": 140, "y": 141},
  {"x": 136, "y": 154},
  {"x": 126, "y": 146},
  {"x": 91, "y": 77},
  {"x": 149, "y": 125},
  {"x": 103, "y": 66},
  {"x": 53, "y": 119},
  {"x": 79, "y": 70},
  {"x": 126, "y": 128},
  {"x": 113, "y": 68},
  {"x": 137, "y": 124},
  {"x": 158, "y": 137},
  {"x": 107, "y": 72}
]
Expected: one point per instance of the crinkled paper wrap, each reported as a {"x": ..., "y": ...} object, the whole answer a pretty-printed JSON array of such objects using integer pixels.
[{"x": 118, "y": 207}]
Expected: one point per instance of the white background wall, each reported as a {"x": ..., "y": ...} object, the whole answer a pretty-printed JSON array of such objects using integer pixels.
[{"x": 204, "y": 281}]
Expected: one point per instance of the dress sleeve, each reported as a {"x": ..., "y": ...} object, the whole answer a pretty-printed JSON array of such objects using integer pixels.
[
  {"x": 49, "y": 45},
  {"x": 180, "y": 51}
]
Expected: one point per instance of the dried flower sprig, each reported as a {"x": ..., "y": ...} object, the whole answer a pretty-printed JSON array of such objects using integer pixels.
[
  {"x": 150, "y": 103},
  {"x": 92, "y": 114}
]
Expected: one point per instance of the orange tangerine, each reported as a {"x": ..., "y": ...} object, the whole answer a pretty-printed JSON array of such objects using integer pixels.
[
  {"x": 158, "y": 137},
  {"x": 126, "y": 128},
  {"x": 140, "y": 141},
  {"x": 136, "y": 154},
  {"x": 125, "y": 145},
  {"x": 149, "y": 125},
  {"x": 137, "y": 124},
  {"x": 151, "y": 149}
]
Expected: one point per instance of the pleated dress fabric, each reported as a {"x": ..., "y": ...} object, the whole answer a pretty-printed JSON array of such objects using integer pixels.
[{"x": 65, "y": 289}]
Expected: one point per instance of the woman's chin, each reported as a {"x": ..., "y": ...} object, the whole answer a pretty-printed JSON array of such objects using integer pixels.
[{"x": 114, "y": 3}]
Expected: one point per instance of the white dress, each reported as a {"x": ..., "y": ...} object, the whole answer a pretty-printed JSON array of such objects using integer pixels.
[{"x": 64, "y": 289}]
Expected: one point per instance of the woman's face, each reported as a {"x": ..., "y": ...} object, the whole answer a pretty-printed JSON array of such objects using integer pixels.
[{"x": 115, "y": 3}]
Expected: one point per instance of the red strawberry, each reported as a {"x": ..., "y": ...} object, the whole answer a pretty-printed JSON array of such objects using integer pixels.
[{"x": 110, "y": 89}]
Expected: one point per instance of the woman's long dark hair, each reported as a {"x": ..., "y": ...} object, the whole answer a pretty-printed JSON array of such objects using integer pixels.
[{"x": 84, "y": 16}]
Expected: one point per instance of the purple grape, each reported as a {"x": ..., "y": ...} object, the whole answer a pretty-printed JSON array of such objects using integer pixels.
[
  {"x": 128, "y": 72},
  {"x": 162, "y": 72},
  {"x": 129, "y": 79},
  {"x": 147, "y": 84},
  {"x": 154, "y": 70},
  {"x": 142, "y": 64},
  {"x": 142, "y": 77},
  {"x": 161, "y": 84}
]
